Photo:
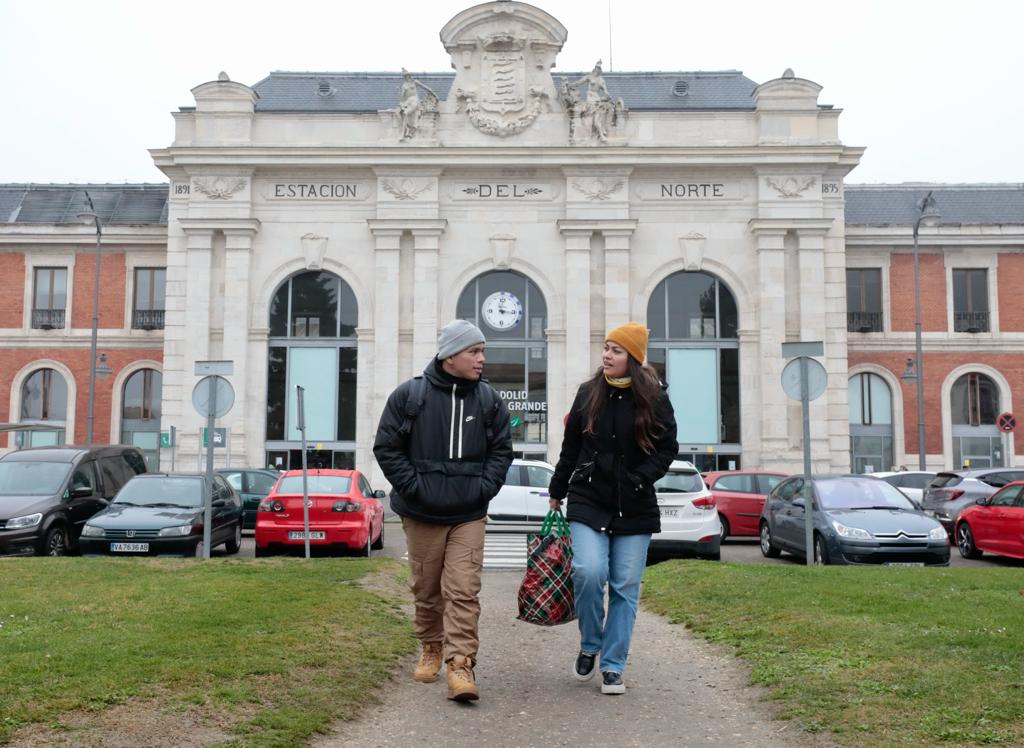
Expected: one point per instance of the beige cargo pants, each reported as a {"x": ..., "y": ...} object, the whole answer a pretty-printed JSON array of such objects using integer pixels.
[{"x": 446, "y": 561}]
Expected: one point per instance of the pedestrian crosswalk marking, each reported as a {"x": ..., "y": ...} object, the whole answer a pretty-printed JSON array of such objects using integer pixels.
[{"x": 504, "y": 551}]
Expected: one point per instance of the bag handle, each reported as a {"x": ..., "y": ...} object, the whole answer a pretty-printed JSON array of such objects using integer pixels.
[{"x": 555, "y": 524}]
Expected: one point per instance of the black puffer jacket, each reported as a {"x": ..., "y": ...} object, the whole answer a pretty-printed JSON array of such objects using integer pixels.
[
  {"x": 608, "y": 478},
  {"x": 451, "y": 464}
]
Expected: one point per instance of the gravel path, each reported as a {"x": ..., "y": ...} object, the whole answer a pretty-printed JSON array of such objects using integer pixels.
[{"x": 681, "y": 691}]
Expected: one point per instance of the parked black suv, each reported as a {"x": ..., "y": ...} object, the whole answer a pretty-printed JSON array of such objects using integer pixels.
[{"x": 47, "y": 494}]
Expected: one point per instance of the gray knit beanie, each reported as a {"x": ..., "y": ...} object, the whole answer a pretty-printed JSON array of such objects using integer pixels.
[{"x": 457, "y": 336}]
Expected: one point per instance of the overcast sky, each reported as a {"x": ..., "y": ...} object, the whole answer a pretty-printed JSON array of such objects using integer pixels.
[{"x": 933, "y": 89}]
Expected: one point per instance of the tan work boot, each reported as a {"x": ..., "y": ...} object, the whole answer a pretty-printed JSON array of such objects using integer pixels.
[
  {"x": 461, "y": 683},
  {"x": 430, "y": 663}
]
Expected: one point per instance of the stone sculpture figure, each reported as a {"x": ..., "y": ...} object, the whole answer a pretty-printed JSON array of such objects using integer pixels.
[
  {"x": 410, "y": 107},
  {"x": 599, "y": 111}
]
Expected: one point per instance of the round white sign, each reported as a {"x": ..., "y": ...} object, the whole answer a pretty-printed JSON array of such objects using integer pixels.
[
  {"x": 817, "y": 378},
  {"x": 202, "y": 396}
]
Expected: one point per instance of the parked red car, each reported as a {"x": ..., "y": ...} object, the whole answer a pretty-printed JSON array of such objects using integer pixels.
[
  {"x": 739, "y": 495},
  {"x": 993, "y": 525},
  {"x": 345, "y": 514}
]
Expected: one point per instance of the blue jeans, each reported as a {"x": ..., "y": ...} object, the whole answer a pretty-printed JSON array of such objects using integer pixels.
[{"x": 618, "y": 560}]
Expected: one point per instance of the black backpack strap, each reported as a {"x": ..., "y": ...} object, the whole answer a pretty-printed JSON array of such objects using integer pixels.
[
  {"x": 489, "y": 406},
  {"x": 414, "y": 403}
]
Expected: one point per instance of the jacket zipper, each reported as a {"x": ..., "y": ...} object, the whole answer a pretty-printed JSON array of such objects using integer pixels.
[
  {"x": 451, "y": 435},
  {"x": 462, "y": 412}
]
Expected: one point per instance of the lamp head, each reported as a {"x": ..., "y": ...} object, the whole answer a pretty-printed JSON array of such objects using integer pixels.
[
  {"x": 102, "y": 370},
  {"x": 909, "y": 374},
  {"x": 928, "y": 210}
]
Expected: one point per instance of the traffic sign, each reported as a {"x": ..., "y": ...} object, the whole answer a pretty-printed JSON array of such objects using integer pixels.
[
  {"x": 817, "y": 379},
  {"x": 202, "y": 396},
  {"x": 220, "y": 437},
  {"x": 1006, "y": 422}
]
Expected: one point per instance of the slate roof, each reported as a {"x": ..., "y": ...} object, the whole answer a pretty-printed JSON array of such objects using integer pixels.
[
  {"x": 369, "y": 92},
  {"x": 116, "y": 204},
  {"x": 896, "y": 204}
]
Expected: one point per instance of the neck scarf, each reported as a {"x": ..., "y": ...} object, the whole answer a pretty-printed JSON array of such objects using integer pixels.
[{"x": 618, "y": 382}]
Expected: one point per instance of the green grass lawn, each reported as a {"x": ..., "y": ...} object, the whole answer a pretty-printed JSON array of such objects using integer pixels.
[
  {"x": 276, "y": 648},
  {"x": 878, "y": 656}
]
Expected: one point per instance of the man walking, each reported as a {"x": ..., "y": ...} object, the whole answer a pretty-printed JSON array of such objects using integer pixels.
[{"x": 444, "y": 444}]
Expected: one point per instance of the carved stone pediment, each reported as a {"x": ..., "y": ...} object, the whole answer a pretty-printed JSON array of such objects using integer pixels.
[{"x": 502, "y": 53}]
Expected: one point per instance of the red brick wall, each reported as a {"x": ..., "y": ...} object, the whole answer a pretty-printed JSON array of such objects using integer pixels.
[
  {"x": 12, "y": 288},
  {"x": 936, "y": 368},
  {"x": 112, "y": 290},
  {"x": 933, "y": 292},
  {"x": 1010, "y": 277},
  {"x": 77, "y": 360}
]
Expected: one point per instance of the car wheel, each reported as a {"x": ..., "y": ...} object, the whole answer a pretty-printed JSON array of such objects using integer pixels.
[
  {"x": 365, "y": 550},
  {"x": 235, "y": 544},
  {"x": 56, "y": 542},
  {"x": 820, "y": 551},
  {"x": 768, "y": 547},
  {"x": 965, "y": 541},
  {"x": 199, "y": 549},
  {"x": 725, "y": 528},
  {"x": 378, "y": 544}
]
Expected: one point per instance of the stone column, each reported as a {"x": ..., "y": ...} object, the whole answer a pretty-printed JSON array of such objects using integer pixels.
[
  {"x": 195, "y": 343},
  {"x": 246, "y": 420},
  {"x": 577, "y": 305},
  {"x": 426, "y": 299},
  {"x": 617, "y": 291},
  {"x": 368, "y": 408}
]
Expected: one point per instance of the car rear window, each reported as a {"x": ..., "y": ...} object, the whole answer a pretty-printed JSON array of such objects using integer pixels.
[
  {"x": 32, "y": 478},
  {"x": 316, "y": 484},
  {"x": 678, "y": 481},
  {"x": 942, "y": 480},
  {"x": 741, "y": 483}
]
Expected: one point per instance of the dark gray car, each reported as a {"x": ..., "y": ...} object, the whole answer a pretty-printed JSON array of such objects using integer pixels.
[
  {"x": 856, "y": 520},
  {"x": 953, "y": 491}
]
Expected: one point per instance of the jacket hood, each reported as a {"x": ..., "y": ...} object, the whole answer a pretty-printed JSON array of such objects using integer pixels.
[{"x": 437, "y": 376}]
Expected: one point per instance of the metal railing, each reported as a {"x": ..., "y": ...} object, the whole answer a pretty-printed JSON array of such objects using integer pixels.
[
  {"x": 970, "y": 322},
  {"x": 148, "y": 319},
  {"x": 864, "y": 322},
  {"x": 48, "y": 319}
]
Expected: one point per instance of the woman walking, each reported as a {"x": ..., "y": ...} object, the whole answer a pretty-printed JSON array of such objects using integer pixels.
[{"x": 620, "y": 438}]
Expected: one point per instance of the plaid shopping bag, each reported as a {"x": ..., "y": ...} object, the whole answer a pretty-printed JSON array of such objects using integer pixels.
[{"x": 546, "y": 595}]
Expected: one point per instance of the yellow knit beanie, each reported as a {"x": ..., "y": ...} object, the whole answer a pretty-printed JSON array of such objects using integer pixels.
[{"x": 631, "y": 336}]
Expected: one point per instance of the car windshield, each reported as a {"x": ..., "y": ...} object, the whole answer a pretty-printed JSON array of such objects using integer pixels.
[
  {"x": 678, "y": 481},
  {"x": 32, "y": 478},
  {"x": 860, "y": 493},
  {"x": 315, "y": 484},
  {"x": 182, "y": 491}
]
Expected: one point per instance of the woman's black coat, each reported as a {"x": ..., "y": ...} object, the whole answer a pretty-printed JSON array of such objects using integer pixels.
[{"x": 608, "y": 478}]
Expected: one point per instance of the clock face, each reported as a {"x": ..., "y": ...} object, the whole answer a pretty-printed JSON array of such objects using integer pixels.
[{"x": 502, "y": 310}]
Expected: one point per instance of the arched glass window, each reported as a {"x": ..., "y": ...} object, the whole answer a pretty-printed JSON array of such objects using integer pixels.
[
  {"x": 140, "y": 414},
  {"x": 974, "y": 406},
  {"x": 44, "y": 401},
  {"x": 693, "y": 320},
  {"x": 511, "y": 311},
  {"x": 313, "y": 318},
  {"x": 871, "y": 437}
]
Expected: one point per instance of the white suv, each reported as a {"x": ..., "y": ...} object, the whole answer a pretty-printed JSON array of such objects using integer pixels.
[
  {"x": 522, "y": 502},
  {"x": 689, "y": 517}
]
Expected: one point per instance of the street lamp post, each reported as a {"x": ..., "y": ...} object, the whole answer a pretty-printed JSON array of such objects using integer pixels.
[
  {"x": 92, "y": 215},
  {"x": 928, "y": 213}
]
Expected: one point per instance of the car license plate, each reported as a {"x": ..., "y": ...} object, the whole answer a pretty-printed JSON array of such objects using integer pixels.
[
  {"x": 313, "y": 535},
  {"x": 665, "y": 512},
  {"x": 905, "y": 563},
  {"x": 129, "y": 547}
]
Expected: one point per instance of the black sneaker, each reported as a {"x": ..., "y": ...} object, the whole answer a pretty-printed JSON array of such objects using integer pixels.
[
  {"x": 612, "y": 683},
  {"x": 583, "y": 668}
]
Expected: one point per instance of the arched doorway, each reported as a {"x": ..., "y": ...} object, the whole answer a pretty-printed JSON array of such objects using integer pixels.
[
  {"x": 512, "y": 312},
  {"x": 44, "y": 402},
  {"x": 313, "y": 318},
  {"x": 871, "y": 435},
  {"x": 694, "y": 346},
  {"x": 140, "y": 414},
  {"x": 974, "y": 405}
]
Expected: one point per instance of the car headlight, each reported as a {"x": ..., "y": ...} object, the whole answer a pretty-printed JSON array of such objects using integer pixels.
[
  {"x": 937, "y": 533},
  {"x": 29, "y": 520},
  {"x": 91, "y": 531},
  {"x": 175, "y": 532},
  {"x": 851, "y": 532}
]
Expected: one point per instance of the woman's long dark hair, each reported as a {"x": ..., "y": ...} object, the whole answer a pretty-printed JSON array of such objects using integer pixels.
[{"x": 646, "y": 390}]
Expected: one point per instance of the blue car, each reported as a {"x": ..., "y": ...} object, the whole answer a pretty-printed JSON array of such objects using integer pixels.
[{"x": 856, "y": 520}]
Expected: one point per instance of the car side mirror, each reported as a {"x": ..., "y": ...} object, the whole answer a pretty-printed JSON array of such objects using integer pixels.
[
  {"x": 379, "y": 494},
  {"x": 219, "y": 502},
  {"x": 799, "y": 502},
  {"x": 81, "y": 492}
]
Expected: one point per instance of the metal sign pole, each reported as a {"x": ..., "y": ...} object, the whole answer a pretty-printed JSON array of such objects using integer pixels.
[
  {"x": 208, "y": 500},
  {"x": 299, "y": 392},
  {"x": 174, "y": 433},
  {"x": 805, "y": 407}
]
